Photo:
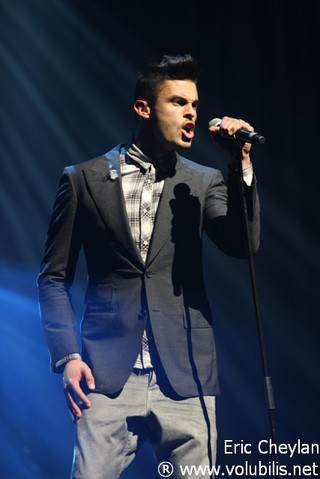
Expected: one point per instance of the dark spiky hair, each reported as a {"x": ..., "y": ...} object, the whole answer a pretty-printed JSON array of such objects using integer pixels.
[{"x": 181, "y": 67}]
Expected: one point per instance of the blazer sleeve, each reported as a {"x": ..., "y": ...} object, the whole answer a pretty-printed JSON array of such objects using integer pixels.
[
  {"x": 223, "y": 217},
  {"x": 57, "y": 272}
]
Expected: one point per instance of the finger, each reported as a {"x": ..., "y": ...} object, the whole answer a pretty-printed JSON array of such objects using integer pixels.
[
  {"x": 214, "y": 134},
  {"x": 227, "y": 127},
  {"x": 89, "y": 378},
  {"x": 74, "y": 389},
  {"x": 73, "y": 405},
  {"x": 245, "y": 126},
  {"x": 246, "y": 148},
  {"x": 230, "y": 126}
]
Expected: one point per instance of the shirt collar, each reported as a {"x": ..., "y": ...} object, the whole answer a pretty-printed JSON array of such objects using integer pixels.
[{"x": 135, "y": 155}]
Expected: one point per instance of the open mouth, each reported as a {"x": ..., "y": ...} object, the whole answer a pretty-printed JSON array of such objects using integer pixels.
[{"x": 188, "y": 130}]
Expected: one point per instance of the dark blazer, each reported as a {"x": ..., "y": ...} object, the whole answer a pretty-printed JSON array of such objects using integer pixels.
[{"x": 123, "y": 291}]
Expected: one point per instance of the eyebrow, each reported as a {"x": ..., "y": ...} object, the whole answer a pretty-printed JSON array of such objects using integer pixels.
[{"x": 184, "y": 99}]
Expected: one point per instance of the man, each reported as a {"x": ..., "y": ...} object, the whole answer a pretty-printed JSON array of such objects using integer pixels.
[{"x": 147, "y": 367}]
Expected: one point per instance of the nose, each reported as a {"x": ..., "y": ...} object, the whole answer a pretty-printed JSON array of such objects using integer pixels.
[{"x": 190, "y": 111}]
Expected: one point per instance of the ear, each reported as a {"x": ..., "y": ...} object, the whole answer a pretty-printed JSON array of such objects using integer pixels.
[{"x": 142, "y": 109}]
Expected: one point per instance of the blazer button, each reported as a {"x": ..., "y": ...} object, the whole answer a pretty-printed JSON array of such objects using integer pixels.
[
  {"x": 148, "y": 273},
  {"x": 142, "y": 314}
]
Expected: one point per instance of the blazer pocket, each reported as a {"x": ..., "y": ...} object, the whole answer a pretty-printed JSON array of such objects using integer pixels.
[
  {"x": 101, "y": 299},
  {"x": 101, "y": 306},
  {"x": 193, "y": 318}
]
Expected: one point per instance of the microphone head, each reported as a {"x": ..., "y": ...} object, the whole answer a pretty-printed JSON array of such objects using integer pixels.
[{"x": 215, "y": 122}]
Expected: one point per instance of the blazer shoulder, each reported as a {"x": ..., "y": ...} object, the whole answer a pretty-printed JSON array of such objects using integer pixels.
[
  {"x": 100, "y": 164},
  {"x": 198, "y": 170}
]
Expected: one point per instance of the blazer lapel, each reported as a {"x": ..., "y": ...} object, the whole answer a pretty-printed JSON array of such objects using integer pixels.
[
  {"x": 104, "y": 182},
  {"x": 163, "y": 222}
]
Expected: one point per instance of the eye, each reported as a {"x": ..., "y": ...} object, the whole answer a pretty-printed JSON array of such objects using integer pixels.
[{"x": 177, "y": 100}]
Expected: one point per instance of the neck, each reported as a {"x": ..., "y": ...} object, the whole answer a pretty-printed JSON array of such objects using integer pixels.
[{"x": 150, "y": 147}]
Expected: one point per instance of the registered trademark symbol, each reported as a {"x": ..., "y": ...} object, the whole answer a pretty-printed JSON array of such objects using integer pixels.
[{"x": 165, "y": 469}]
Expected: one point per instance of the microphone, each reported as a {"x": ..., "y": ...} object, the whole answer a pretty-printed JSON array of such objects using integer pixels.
[{"x": 244, "y": 135}]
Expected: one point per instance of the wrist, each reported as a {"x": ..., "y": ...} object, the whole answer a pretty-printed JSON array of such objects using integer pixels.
[
  {"x": 247, "y": 167},
  {"x": 59, "y": 365},
  {"x": 246, "y": 162}
]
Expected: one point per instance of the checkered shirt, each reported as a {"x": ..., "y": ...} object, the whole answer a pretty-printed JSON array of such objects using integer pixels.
[
  {"x": 142, "y": 191},
  {"x": 142, "y": 194}
]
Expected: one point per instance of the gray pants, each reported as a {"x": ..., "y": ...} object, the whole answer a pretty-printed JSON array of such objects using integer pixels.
[{"x": 182, "y": 432}]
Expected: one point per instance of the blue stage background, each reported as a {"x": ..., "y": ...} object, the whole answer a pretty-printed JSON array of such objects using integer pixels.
[{"x": 67, "y": 72}]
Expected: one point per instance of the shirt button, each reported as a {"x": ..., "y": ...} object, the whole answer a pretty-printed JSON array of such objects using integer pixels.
[{"x": 148, "y": 273}]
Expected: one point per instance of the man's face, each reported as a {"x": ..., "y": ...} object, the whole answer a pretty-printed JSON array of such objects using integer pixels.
[{"x": 174, "y": 114}]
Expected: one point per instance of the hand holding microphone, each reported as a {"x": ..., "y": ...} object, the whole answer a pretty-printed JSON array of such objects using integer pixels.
[
  {"x": 227, "y": 133},
  {"x": 235, "y": 129}
]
